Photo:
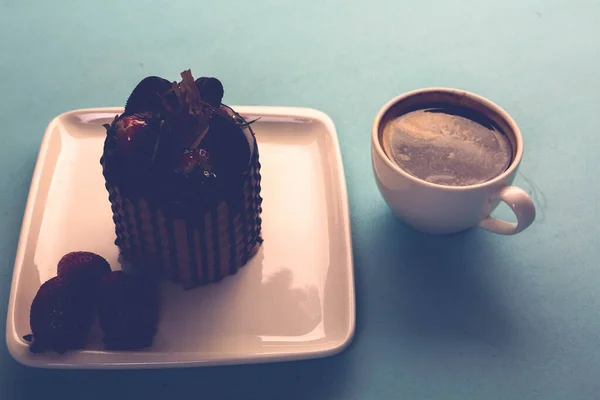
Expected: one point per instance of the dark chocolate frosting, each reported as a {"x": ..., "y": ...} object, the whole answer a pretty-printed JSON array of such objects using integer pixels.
[{"x": 177, "y": 143}]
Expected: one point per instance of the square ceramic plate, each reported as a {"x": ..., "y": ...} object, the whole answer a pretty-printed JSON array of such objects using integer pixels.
[{"x": 294, "y": 300}]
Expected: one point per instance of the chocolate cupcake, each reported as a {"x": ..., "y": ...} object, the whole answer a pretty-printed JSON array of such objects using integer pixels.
[{"x": 183, "y": 175}]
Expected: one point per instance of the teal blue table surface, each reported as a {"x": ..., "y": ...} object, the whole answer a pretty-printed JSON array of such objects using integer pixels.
[{"x": 469, "y": 316}]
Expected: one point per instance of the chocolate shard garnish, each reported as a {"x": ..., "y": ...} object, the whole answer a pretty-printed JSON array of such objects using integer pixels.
[
  {"x": 191, "y": 104},
  {"x": 190, "y": 99}
]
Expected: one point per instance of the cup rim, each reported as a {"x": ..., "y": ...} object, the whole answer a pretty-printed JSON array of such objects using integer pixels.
[{"x": 376, "y": 143}]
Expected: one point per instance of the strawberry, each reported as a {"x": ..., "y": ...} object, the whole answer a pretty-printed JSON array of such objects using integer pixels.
[
  {"x": 130, "y": 131},
  {"x": 61, "y": 316},
  {"x": 84, "y": 267},
  {"x": 128, "y": 311}
]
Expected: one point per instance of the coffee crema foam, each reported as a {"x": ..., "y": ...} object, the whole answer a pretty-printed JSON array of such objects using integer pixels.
[{"x": 443, "y": 147}]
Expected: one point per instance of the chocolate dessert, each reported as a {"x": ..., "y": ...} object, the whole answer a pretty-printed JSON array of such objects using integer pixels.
[{"x": 183, "y": 175}]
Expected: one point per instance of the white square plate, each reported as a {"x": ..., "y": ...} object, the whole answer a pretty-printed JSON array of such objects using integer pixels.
[{"x": 293, "y": 300}]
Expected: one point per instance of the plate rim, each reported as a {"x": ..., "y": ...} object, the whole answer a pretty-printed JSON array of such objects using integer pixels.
[{"x": 15, "y": 346}]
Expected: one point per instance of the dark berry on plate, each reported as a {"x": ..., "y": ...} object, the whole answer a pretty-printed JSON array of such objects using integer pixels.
[
  {"x": 85, "y": 267},
  {"x": 61, "y": 315},
  {"x": 211, "y": 90},
  {"x": 128, "y": 311}
]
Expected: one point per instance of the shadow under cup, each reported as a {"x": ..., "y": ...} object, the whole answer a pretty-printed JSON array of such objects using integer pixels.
[{"x": 442, "y": 209}]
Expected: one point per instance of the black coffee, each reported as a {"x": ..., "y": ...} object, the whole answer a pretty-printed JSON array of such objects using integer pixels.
[{"x": 447, "y": 145}]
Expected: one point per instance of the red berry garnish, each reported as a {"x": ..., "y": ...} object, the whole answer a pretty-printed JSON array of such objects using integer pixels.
[
  {"x": 84, "y": 267},
  {"x": 130, "y": 129}
]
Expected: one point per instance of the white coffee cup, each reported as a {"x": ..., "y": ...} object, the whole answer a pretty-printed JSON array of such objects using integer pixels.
[{"x": 441, "y": 209}]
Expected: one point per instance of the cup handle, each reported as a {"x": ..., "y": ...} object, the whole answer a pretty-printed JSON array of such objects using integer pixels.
[{"x": 521, "y": 204}]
